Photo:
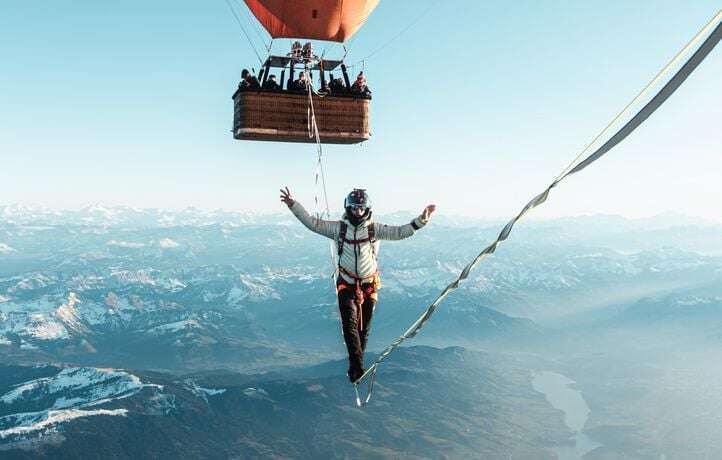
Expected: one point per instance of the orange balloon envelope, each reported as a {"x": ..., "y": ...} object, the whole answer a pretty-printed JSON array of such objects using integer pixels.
[{"x": 332, "y": 20}]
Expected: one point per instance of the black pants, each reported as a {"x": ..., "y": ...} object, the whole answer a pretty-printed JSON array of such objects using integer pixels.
[{"x": 355, "y": 328}]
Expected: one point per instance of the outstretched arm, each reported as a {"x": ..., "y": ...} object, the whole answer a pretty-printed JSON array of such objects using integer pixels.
[
  {"x": 327, "y": 228},
  {"x": 394, "y": 232}
]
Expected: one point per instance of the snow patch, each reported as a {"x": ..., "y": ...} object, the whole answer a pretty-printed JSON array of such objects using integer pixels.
[
  {"x": 68, "y": 314},
  {"x": 27, "y": 346},
  {"x": 212, "y": 391},
  {"x": 36, "y": 281},
  {"x": 92, "y": 385},
  {"x": 44, "y": 328},
  {"x": 177, "y": 326},
  {"x": 167, "y": 243},
  {"x": 52, "y": 418},
  {"x": 125, "y": 244},
  {"x": 201, "y": 392},
  {"x": 258, "y": 393},
  {"x": 253, "y": 289},
  {"x": 66, "y": 396}
]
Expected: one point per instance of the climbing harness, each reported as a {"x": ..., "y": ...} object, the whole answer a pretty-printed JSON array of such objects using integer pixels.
[
  {"x": 576, "y": 166},
  {"x": 372, "y": 281},
  {"x": 371, "y": 238}
]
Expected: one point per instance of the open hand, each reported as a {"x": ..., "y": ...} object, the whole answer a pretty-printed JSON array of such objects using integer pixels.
[
  {"x": 286, "y": 197},
  {"x": 426, "y": 213}
]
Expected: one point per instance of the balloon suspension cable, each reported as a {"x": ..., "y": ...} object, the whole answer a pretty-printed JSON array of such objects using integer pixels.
[
  {"x": 254, "y": 24},
  {"x": 395, "y": 37},
  {"x": 713, "y": 38},
  {"x": 347, "y": 45},
  {"x": 248, "y": 37}
]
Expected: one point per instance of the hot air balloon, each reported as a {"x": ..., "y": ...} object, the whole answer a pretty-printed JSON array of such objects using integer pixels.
[
  {"x": 332, "y": 20},
  {"x": 267, "y": 112}
]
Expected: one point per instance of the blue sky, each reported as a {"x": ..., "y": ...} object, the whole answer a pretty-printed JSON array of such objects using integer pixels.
[{"x": 476, "y": 108}]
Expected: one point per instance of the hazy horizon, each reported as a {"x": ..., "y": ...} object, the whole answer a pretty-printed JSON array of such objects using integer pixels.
[{"x": 282, "y": 210}]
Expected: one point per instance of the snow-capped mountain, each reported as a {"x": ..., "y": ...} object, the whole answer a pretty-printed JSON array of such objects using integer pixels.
[
  {"x": 131, "y": 288},
  {"x": 107, "y": 216},
  {"x": 39, "y": 406},
  {"x": 698, "y": 312}
]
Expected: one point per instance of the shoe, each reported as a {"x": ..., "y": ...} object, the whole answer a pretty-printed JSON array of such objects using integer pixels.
[{"x": 355, "y": 373}]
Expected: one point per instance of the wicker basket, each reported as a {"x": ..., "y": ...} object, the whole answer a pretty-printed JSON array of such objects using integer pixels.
[{"x": 282, "y": 116}]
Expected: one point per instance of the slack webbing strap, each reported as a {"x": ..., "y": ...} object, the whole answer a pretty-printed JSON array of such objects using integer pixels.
[{"x": 662, "y": 95}]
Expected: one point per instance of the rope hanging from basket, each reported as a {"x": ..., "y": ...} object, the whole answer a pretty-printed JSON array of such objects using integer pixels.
[{"x": 320, "y": 173}]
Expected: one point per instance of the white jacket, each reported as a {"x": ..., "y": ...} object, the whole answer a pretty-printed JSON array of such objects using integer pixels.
[{"x": 359, "y": 259}]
